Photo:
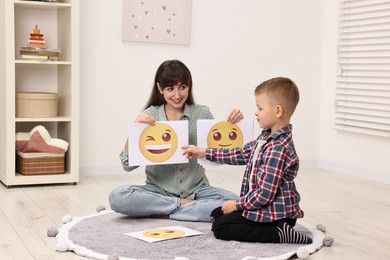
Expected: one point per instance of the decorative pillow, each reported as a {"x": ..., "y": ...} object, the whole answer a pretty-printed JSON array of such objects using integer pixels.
[{"x": 38, "y": 140}]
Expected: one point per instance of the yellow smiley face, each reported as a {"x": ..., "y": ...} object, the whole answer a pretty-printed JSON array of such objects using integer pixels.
[
  {"x": 164, "y": 233},
  {"x": 158, "y": 142},
  {"x": 225, "y": 135}
]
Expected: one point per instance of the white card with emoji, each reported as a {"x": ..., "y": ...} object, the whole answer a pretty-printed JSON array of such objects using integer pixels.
[
  {"x": 164, "y": 233},
  {"x": 214, "y": 133},
  {"x": 157, "y": 144}
]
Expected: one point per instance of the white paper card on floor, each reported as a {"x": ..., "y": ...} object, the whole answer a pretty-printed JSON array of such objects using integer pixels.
[{"x": 164, "y": 233}]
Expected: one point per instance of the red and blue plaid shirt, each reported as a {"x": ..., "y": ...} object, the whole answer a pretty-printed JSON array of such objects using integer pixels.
[{"x": 268, "y": 193}]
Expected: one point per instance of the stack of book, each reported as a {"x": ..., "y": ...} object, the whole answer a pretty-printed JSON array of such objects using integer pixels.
[
  {"x": 34, "y": 53},
  {"x": 36, "y": 48}
]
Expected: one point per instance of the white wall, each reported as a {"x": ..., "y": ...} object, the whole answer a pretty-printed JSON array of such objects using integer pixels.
[
  {"x": 356, "y": 154},
  {"x": 235, "y": 46}
]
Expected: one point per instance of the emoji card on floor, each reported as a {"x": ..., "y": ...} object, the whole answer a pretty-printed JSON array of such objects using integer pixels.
[
  {"x": 164, "y": 233},
  {"x": 222, "y": 134},
  {"x": 157, "y": 144}
]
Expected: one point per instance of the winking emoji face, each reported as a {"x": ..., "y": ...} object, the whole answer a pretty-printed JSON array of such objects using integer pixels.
[
  {"x": 225, "y": 135},
  {"x": 164, "y": 233},
  {"x": 158, "y": 142}
]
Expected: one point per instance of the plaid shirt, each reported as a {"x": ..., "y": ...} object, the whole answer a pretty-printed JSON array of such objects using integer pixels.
[{"x": 268, "y": 193}]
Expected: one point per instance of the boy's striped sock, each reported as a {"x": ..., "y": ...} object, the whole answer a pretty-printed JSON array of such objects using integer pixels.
[{"x": 288, "y": 235}]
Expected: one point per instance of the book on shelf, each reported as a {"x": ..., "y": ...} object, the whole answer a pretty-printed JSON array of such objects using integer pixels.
[
  {"x": 29, "y": 52},
  {"x": 27, "y": 48},
  {"x": 37, "y": 45},
  {"x": 34, "y": 57},
  {"x": 49, "y": 52},
  {"x": 39, "y": 51},
  {"x": 42, "y": 0}
]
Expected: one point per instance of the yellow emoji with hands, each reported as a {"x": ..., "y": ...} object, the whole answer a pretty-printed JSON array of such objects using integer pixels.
[
  {"x": 225, "y": 135},
  {"x": 158, "y": 142}
]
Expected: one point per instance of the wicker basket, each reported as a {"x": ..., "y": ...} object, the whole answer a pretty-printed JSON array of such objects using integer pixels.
[{"x": 40, "y": 163}]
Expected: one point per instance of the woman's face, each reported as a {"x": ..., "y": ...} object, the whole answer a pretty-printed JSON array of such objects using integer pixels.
[{"x": 175, "y": 95}]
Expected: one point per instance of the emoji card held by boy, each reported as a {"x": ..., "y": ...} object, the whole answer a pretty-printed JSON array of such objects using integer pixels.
[
  {"x": 222, "y": 134},
  {"x": 157, "y": 144}
]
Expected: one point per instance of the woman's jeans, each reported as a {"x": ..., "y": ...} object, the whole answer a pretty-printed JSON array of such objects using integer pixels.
[{"x": 147, "y": 200}]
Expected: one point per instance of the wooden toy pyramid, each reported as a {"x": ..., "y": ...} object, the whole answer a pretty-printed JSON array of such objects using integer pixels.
[{"x": 36, "y": 39}]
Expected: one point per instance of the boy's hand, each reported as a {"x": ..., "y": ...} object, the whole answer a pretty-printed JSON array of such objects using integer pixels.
[
  {"x": 235, "y": 116},
  {"x": 192, "y": 151},
  {"x": 228, "y": 206}
]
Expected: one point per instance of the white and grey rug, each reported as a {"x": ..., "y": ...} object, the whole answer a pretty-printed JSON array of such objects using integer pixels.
[{"x": 102, "y": 236}]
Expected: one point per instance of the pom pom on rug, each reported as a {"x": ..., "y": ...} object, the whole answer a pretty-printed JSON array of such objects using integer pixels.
[
  {"x": 113, "y": 256},
  {"x": 67, "y": 219},
  {"x": 303, "y": 253},
  {"x": 100, "y": 208},
  {"x": 62, "y": 246},
  {"x": 321, "y": 227},
  {"x": 328, "y": 241},
  {"x": 52, "y": 231}
]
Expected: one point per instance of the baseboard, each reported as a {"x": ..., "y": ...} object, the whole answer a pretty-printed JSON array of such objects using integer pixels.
[
  {"x": 381, "y": 177},
  {"x": 308, "y": 163},
  {"x": 101, "y": 170},
  {"x": 117, "y": 169},
  {"x": 368, "y": 174}
]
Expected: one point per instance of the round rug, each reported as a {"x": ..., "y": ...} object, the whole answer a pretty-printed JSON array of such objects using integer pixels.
[{"x": 102, "y": 236}]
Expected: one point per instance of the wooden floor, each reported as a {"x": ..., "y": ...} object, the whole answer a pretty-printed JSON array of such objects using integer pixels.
[{"x": 356, "y": 212}]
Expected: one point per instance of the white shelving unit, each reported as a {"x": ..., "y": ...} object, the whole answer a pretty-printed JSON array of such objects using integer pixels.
[{"x": 59, "y": 22}]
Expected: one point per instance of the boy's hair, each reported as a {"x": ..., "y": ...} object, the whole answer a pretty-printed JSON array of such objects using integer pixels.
[{"x": 282, "y": 91}]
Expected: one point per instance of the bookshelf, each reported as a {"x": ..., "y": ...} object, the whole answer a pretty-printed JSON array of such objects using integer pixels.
[{"x": 59, "y": 22}]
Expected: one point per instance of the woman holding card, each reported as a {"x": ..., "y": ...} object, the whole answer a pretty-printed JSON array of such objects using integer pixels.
[{"x": 175, "y": 191}]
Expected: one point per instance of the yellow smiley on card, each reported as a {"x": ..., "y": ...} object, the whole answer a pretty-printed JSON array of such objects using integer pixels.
[
  {"x": 164, "y": 233},
  {"x": 225, "y": 135},
  {"x": 158, "y": 142}
]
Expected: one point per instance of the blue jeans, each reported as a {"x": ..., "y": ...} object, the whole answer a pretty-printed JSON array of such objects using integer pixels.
[{"x": 149, "y": 199}]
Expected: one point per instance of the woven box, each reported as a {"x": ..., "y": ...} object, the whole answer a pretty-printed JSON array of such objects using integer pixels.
[
  {"x": 40, "y": 163},
  {"x": 36, "y": 104}
]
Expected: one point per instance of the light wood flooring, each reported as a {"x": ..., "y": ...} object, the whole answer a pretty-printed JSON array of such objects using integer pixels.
[{"x": 356, "y": 212}]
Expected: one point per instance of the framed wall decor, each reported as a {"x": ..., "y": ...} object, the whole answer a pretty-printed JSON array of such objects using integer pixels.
[{"x": 157, "y": 21}]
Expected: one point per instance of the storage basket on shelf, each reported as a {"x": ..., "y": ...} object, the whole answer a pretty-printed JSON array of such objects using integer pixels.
[
  {"x": 37, "y": 153},
  {"x": 40, "y": 163},
  {"x": 36, "y": 104}
]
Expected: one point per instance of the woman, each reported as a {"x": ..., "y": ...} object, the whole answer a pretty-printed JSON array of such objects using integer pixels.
[{"x": 175, "y": 191}]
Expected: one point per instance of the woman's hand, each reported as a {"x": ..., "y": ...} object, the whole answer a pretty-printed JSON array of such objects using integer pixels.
[
  {"x": 144, "y": 118},
  {"x": 141, "y": 118},
  {"x": 235, "y": 116},
  {"x": 192, "y": 151}
]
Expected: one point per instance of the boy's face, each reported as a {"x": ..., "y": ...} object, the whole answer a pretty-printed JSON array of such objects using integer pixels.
[{"x": 266, "y": 111}]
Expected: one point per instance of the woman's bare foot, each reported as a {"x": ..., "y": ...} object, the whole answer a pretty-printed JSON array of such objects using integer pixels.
[{"x": 185, "y": 201}]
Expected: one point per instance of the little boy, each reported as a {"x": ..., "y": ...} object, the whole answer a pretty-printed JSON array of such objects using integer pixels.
[{"x": 268, "y": 207}]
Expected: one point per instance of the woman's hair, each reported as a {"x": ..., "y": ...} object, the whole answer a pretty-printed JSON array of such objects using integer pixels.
[
  {"x": 168, "y": 74},
  {"x": 282, "y": 91}
]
